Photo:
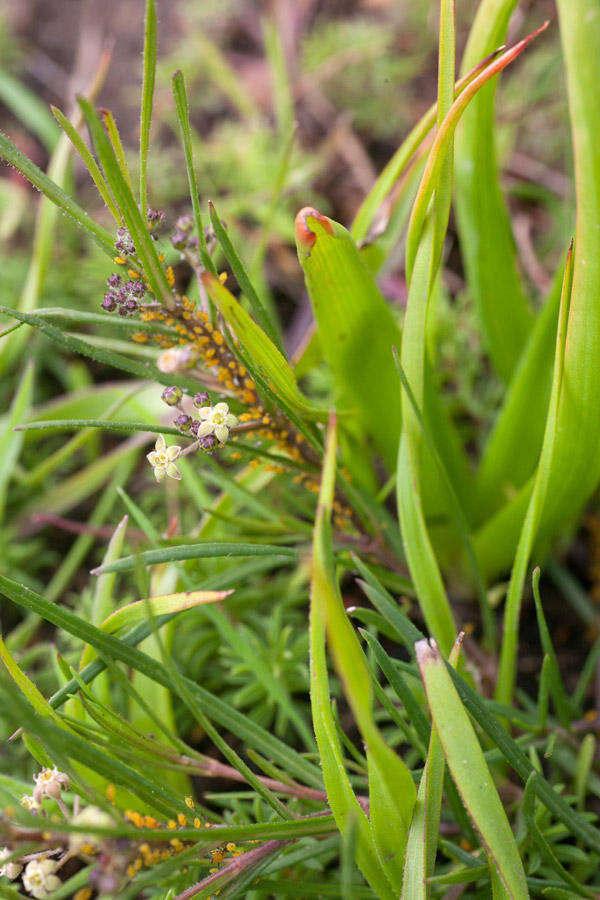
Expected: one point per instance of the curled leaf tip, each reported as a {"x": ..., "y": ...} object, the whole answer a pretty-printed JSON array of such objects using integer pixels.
[{"x": 304, "y": 233}]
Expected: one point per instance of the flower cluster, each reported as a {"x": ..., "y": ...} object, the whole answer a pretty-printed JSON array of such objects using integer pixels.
[{"x": 191, "y": 342}]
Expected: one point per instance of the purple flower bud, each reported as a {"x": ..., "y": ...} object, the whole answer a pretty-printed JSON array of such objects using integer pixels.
[
  {"x": 179, "y": 240},
  {"x": 208, "y": 443},
  {"x": 201, "y": 399},
  {"x": 172, "y": 395},
  {"x": 137, "y": 288},
  {"x": 130, "y": 305},
  {"x": 124, "y": 243},
  {"x": 113, "y": 280},
  {"x": 109, "y": 302},
  {"x": 184, "y": 223},
  {"x": 195, "y": 426},
  {"x": 184, "y": 423},
  {"x": 155, "y": 216}
]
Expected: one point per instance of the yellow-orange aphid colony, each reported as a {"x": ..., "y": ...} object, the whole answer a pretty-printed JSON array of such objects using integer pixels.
[{"x": 148, "y": 856}]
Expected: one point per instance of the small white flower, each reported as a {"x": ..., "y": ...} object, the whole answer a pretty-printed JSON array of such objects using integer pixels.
[
  {"x": 162, "y": 459},
  {"x": 176, "y": 359},
  {"x": 49, "y": 783},
  {"x": 88, "y": 844},
  {"x": 216, "y": 420},
  {"x": 29, "y": 803},
  {"x": 39, "y": 878},
  {"x": 12, "y": 869}
]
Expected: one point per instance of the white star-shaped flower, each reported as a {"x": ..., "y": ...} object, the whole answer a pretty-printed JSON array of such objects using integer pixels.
[
  {"x": 162, "y": 459},
  {"x": 39, "y": 878},
  {"x": 216, "y": 420}
]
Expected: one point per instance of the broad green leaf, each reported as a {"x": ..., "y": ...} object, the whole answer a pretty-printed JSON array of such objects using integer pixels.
[
  {"x": 421, "y": 847},
  {"x": 487, "y": 243},
  {"x": 466, "y": 762},
  {"x": 512, "y": 451},
  {"x": 274, "y": 367},
  {"x": 352, "y": 316},
  {"x": 391, "y": 788}
]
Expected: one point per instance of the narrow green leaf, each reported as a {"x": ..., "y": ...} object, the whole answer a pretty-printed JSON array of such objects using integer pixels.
[
  {"x": 50, "y": 189},
  {"x": 183, "y": 115},
  {"x": 391, "y": 788},
  {"x": 367, "y": 211},
  {"x": 149, "y": 75},
  {"x": 132, "y": 216},
  {"x": 88, "y": 160},
  {"x": 466, "y": 762},
  {"x": 508, "y": 653},
  {"x": 123, "y": 650},
  {"x": 117, "y": 145},
  {"x": 237, "y": 266},
  {"x": 276, "y": 370},
  {"x": 442, "y": 142},
  {"x": 205, "y": 550},
  {"x": 487, "y": 242},
  {"x": 10, "y": 441},
  {"x": 545, "y": 849}
]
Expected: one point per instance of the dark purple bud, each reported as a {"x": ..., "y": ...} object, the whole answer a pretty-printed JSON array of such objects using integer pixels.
[
  {"x": 201, "y": 399},
  {"x": 208, "y": 443},
  {"x": 113, "y": 280},
  {"x": 109, "y": 302},
  {"x": 155, "y": 216},
  {"x": 195, "y": 426},
  {"x": 130, "y": 305},
  {"x": 184, "y": 423},
  {"x": 172, "y": 395}
]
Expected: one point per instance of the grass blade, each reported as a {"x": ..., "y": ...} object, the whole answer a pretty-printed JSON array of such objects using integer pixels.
[{"x": 466, "y": 762}]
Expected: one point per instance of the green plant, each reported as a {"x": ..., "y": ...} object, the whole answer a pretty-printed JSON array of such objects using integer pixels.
[{"x": 393, "y": 789}]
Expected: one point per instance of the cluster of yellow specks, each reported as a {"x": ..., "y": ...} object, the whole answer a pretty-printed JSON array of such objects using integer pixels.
[{"x": 147, "y": 856}]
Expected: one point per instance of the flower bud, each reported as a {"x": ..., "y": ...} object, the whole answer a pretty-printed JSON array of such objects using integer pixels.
[
  {"x": 201, "y": 399},
  {"x": 172, "y": 395}
]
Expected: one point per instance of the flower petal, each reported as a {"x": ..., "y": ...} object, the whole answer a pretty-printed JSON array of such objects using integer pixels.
[
  {"x": 152, "y": 457},
  {"x": 159, "y": 473},
  {"x": 173, "y": 471},
  {"x": 221, "y": 433},
  {"x": 231, "y": 420},
  {"x": 173, "y": 452},
  {"x": 222, "y": 408},
  {"x": 160, "y": 444},
  {"x": 205, "y": 428},
  {"x": 205, "y": 411}
]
